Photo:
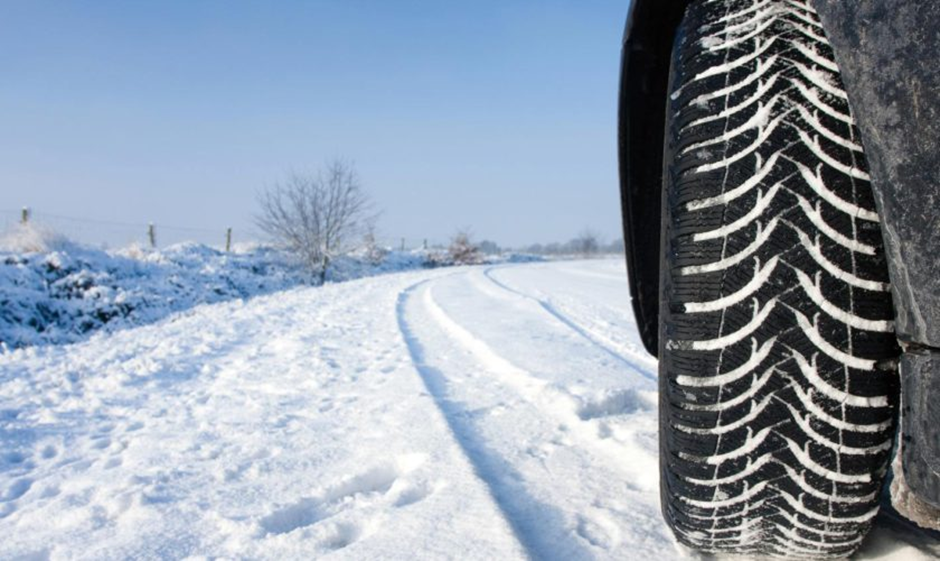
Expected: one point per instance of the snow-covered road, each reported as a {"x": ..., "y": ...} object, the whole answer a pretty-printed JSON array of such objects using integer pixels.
[{"x": 474, "y": 413}]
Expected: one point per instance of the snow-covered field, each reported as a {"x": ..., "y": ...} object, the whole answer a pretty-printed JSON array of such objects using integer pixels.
[{"x": 466, "y": 413}]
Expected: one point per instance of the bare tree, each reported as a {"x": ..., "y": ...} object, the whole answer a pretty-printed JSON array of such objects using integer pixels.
[
  {"x": 317, "y": 216},
  {"x": 462, "y": 250},
  {"x": 586, "y": 243}
]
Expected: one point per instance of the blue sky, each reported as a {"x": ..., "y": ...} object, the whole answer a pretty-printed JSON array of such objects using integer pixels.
[{"x": 494, "y": 115}]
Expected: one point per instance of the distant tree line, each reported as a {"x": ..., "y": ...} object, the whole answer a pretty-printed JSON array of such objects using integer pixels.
[{"x": 586, "y": 244}]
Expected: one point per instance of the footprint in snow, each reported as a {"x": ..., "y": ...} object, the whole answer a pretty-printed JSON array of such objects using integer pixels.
[
  {"x": 298, "y": 515},
  {"x": 309, "y": 511},
  {"x": 618, "y": 402},
  {"x": 13, "y": 458},
  {"x": 409, "y": 493},
  {"x": 17, "y": 489},
  {"x": 387, "y": 484},
  {"x": 599, "y": 531},
  {"x": 342, "y": 535}
]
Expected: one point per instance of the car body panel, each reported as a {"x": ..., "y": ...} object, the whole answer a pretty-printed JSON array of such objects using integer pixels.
[{"x": 889, "y": 55}]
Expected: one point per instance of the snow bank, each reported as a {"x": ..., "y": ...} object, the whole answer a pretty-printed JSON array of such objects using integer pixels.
[
  {"x": 67, "y": 292},
  {"x": 53, "y": 291}
]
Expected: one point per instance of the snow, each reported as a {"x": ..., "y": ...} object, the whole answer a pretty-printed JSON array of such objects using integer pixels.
[
  {"x": 492, "y": 412},
  {"x": 68, "y": 292},
  {"x": 53, "y": 291}
]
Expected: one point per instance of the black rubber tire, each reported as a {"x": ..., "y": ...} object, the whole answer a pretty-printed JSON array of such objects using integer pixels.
[{"x": 777, "y": 401}]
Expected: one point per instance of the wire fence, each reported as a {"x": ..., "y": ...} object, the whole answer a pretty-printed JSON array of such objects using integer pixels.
[
  {"x": 117, "y": 234},
  {"x": 114, "y": 233}
]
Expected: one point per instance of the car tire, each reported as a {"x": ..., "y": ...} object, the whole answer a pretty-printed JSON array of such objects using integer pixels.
[{"x": 778, "y": 390}]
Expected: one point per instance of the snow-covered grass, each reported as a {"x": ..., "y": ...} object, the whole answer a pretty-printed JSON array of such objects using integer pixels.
[
  {"x": 494, "y": 412},
  {"x": 53, "y": 291}
]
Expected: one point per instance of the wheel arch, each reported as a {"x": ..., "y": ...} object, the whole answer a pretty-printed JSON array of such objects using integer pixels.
[{"x": 644, "y": 75}]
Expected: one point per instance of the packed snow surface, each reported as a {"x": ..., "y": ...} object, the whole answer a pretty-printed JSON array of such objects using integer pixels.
[{"x": 495, "y": 412}]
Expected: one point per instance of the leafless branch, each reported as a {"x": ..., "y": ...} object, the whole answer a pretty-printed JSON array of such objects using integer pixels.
[{"x": 316, "y": 217}]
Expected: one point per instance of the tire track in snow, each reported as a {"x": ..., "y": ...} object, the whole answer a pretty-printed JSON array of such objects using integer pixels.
[
  {"x": 556, "y": 431},
  {"x": 552, "y": 401},
  {"x": 518, "y": 508},
  {"x": 584, "y": 332}
]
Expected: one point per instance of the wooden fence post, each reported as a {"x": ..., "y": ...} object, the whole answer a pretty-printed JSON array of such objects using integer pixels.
[
  {"x": 228, "y": 240},
  {"x": 152, "y": 234},
  {"x": 24, "y": 216}
]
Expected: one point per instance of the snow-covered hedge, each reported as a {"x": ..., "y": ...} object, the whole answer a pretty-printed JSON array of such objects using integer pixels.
[
  {"x": 64, "y": 295},
  {"x": 53, "y": 291}
]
